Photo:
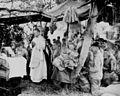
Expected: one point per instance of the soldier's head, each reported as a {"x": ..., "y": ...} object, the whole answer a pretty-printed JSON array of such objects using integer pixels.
[
  {"x": 63, "y": 40},
  {"x": 54, "y": 40},
  {"x": 95, "y": 47},
  {"x": 58, "y": 37},
  {"x": 36, "y": 32},
  {"x": 71, "y": 45}
]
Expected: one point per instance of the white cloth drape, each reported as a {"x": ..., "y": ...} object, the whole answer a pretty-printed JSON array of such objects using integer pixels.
[{"x": 17, "y": 66}]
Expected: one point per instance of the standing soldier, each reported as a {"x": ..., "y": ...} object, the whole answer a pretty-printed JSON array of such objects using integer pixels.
[
  {"x": 56, "y": 49},
  {"x": 95, "y": 68},
  {"x": 58, "y": 41}
]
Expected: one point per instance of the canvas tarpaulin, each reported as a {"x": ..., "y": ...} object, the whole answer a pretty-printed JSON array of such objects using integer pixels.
[
  {"x": 82, "y": 9},
  {"x": 57, "y": 11}
]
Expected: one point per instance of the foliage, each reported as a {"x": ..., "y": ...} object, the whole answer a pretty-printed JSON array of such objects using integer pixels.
[
  {"x": 5, "y": 35},
  {"x": 9, "y": 34},
  {"x": 52, "y": 27},
  {"x": 17, "y": 33}
]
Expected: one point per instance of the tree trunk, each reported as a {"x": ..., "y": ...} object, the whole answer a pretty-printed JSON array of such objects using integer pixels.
[{"x": 88, "y": 37}]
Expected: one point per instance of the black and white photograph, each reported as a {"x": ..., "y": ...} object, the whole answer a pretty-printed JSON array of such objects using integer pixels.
[{"x": 59, "y": 47}]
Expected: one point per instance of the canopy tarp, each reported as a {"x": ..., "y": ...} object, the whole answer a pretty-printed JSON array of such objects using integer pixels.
[{"x": 82, "y": 9}]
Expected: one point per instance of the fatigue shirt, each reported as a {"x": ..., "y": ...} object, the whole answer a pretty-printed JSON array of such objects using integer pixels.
[{"x": 96, "y": 69}]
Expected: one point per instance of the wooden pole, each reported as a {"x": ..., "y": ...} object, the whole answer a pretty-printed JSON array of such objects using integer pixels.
[{"x": 88, "y": 37}]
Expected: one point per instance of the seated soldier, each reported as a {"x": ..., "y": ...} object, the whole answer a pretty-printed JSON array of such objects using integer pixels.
[
  {"x": 4, "y": 66},
  {"x": 110, "y": 67},
  {"x": 110, "y": 61},
  {"x": 73, "y": 56},
  {"x": 20, "y": 48},
  {"x": 65, "y": 65}
]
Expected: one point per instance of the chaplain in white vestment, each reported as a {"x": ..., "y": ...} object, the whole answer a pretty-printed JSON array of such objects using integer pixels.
[{"x": 38, "y": 67}]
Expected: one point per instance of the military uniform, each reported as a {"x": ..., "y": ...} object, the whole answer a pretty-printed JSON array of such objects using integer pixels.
[{"x": 95, "y": 70}]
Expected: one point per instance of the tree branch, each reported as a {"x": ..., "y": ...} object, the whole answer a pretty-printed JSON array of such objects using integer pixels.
[
  {"x": 11, "y": 10},
  {"x": 85, "y": 4}
]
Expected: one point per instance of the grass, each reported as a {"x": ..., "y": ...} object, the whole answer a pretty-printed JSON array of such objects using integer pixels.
[{"x": 47, "y": 89}]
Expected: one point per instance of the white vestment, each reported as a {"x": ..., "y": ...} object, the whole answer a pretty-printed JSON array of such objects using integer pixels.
[{"x": 38, "y": 67}]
